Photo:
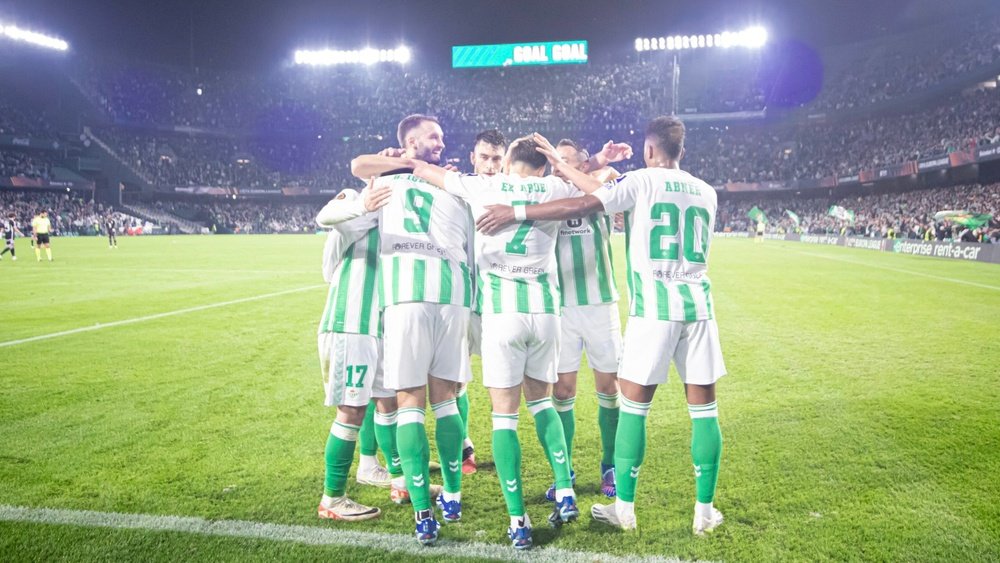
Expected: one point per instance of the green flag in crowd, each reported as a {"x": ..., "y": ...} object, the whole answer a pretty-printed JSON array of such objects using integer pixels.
[
  {"x": 839, "y": 212},
  {"x": 964, "y": 218},
  {"x": 756, "y": 214},
  {"x": 794, "y": 217}
]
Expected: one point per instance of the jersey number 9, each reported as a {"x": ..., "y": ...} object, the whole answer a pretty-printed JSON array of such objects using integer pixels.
[{"x": 418, "y": 202}]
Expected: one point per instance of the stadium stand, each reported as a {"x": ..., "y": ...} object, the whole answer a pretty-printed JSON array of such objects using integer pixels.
[
  {"x": 899, "y": 215},
  {"x": 181, "y": 130},
  {"x": 69, "y": 215},
  {"x": 14, "y": 163}
]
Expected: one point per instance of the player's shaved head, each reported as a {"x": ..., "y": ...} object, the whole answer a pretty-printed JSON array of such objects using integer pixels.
[
  {"x": 666, "y": 135},
  {"x": 525, "y": 150}
]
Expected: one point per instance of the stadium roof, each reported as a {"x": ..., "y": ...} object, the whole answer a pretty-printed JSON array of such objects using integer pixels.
[{"x": 248, "y": 35}]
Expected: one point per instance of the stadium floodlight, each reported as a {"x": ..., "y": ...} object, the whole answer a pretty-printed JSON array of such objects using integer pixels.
[
  {"x": 366, "y": 56},
  {"x": 33, "y": 37},
  {"x": 751, "y": 38},
  {"x": 754, "y": 37}
]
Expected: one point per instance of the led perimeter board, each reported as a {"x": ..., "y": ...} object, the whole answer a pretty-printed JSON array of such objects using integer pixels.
[{"x": 519, "y": 54}]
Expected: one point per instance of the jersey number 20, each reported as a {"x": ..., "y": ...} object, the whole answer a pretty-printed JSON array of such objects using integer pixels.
[{"x": 659, "y": 251}]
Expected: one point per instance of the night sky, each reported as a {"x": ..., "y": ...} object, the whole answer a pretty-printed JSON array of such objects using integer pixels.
[{"x": 255, "y": 34}]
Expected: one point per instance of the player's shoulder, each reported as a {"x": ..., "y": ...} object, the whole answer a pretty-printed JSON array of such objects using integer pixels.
[{"x": 707, "y": 190}]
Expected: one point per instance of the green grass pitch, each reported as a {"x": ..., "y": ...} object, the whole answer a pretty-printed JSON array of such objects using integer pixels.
[{"x": 860, "y": 413}]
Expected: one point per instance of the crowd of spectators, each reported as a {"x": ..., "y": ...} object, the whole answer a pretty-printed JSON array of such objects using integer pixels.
[
  {"x": 900, "y": 215},
  {"x": 17, "y": 122},
  {"x": 366, "y": 101},
  {"x": 300, "y": 126},
  {"x": 811, "y": 151},
  {"x": 14, "y": 163},
  {"x": 876, "y": 72},
  {"x": 246, "y": 217},
  {"x": 180, "y": 160},
  {"x": 70, "y": 214},
  {"x": 745, "y": 153},
  {"x": 598, "y": 95}
]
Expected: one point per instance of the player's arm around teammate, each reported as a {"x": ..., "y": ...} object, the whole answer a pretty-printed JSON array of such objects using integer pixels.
[
  {"x": 520, "y": 334},
  {"x": 671, "y": 313}
]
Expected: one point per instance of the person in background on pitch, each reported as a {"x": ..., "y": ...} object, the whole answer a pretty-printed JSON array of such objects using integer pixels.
[
  {"x": 9, "y": 230},
  {"x": 111, "y": 226},
  {"x": 41, "y": 229}
]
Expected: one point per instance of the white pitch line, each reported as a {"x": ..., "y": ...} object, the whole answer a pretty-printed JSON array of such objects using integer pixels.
[
  {"x": 100, "y": 326},
  {"x": 308, "y": 535},
  {"x": 911, "y": 272}
]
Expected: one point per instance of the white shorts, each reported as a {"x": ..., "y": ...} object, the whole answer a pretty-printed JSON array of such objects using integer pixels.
[
  {"x": 351, "y": 365},
  {"x": 596, "y": 329},
  {"x": 424, "y": 339},
  {"x": 650, "y": 345},
  {"x": 516, "y": 345}
]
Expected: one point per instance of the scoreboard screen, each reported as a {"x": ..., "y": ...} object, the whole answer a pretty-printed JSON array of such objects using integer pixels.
[{"x": 519, "y": 54}]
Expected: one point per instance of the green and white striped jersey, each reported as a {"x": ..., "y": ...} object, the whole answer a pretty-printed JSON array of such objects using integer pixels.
[
  {"x": 424, "y": 244},
  {"x": 350, "y": 264},
  {"x": 516, "y": 268},
  {"x": 583, "y": 251},
  {"x": 669, "y": 218}
]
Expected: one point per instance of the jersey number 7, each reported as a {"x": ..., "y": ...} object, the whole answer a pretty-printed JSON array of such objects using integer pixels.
[{"x": 516, "y": 245}]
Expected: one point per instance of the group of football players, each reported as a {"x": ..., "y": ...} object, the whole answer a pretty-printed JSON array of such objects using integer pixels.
[{"x": 428, "y": 266}]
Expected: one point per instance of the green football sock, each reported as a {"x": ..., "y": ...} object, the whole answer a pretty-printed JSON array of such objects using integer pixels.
[
  {"x": 339, "y": 455},
  {"x": 414, "y": 454},
  {"x": 448, "y": 434},
  {"x": 366, "y": 437},
  {"x": 564, "y": 407},
  {"x": 463, "y": 410},
  {"x": 385, "y": 432},
  {"x": 630, "y": 447},
  {"x": 607, "y": 422},
  {"x": 706, "y": 449},
  {"x": 550, "y": 434},
  {"x": 507, "y": 455}
]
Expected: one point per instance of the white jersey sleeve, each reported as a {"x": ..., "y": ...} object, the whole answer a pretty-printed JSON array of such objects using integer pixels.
[
  {"x": 464, "y": 186},
  {"x": 620, "y": 194},
  {"x": 347, "y": 205}
]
